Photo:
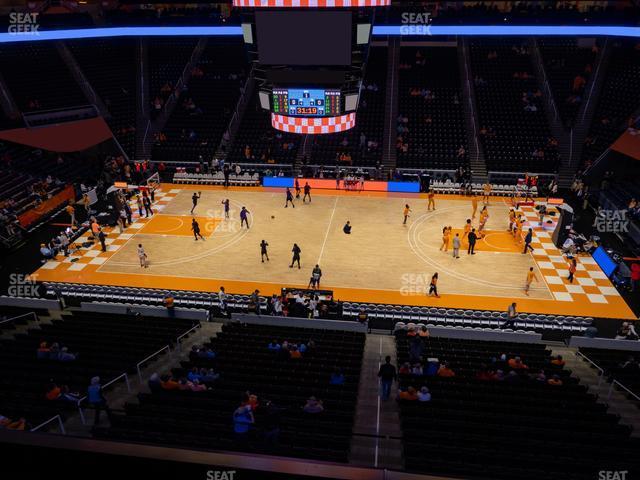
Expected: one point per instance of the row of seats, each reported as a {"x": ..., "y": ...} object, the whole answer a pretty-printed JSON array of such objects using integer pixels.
[
  {"x": 516, "y": 428},
  {"x": 618, "y": 99},
  {"x": 245, "y": 364},
  {"x": 435, "y": 121},
  {"x": 106, "y": 346},
  {"x": 326, "y": 148},
  {"x": 217, "y": 178},
  {"x": 203, "y": 111},
  {"x": 381, "y": 316}
]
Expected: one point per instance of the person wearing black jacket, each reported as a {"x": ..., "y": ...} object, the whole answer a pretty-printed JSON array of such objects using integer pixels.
[{"x": 387, "y": 375}]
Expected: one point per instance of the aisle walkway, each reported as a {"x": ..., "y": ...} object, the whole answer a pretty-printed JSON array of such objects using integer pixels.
[{"x": 376, "y": 435}]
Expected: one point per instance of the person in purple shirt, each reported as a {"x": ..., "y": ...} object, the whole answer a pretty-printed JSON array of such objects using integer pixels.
[{"x": 243, "y": 217}]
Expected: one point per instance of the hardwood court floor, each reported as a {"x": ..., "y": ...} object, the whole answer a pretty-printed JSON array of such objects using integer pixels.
[{"x": 381, "y": 261}]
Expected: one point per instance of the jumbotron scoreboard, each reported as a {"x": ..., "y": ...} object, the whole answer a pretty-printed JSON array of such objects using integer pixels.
[
  {"x": 300, "y": 102},
  {"x": 308, "y": 59}
]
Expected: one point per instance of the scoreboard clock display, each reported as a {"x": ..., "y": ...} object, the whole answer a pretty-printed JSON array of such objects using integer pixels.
[{"x": 299, "y": 102}]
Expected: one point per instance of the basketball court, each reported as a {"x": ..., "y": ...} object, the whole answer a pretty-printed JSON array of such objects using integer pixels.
[{"x": 393, "y": 261}]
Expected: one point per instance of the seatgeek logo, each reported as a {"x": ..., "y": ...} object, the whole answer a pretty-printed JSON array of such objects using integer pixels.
[
  {"x": 415, "y": 23},
  {"x": 24, "y": 24}
]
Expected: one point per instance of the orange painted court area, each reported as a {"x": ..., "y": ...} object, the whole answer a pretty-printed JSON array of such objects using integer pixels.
[
  {"x": 492, "y": 241},
  {"x": 160, "y": 224}
]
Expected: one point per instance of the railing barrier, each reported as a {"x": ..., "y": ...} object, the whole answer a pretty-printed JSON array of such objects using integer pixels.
[
  {"x": 166, "y": 347},
  {"x": 601, "y": 370},
  {"x": 622, "y": 387},
  {"x": 20, "y": 316},
  {"x": 52, "y": 419},
  {"x": 179, "y": 339}
]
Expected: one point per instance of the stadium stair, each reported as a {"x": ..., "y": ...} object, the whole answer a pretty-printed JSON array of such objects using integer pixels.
[
  {"x": 81, "y": 80},
  {"x": 389, "y": 156},
  {"x": 618, "y": 402},
  {"x": 476, "y": 151},
  {"x": 376, "y": 432},
  {"x": 585, "y": 117}
]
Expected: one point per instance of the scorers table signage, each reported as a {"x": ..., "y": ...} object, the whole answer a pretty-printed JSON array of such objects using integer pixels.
[{"x": 306, "y": 102}]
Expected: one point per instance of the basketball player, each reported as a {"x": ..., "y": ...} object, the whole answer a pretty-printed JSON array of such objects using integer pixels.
[
  {"x": 484, "y": 216},
  {"x": 289, "y": 199},
  {"x": 474, "y": 205},
  {"x": 407, "y": 210},
  {"x": 307, "y": 192},
  {"x": 243, "y": 217},
  {"x": 194, "y": 198},
  {"x": 518, "y": 229},
  {"x": 486, "y": 191},
  {"x": 196, "y": 229},
  {"x": 431, "y": 205},
  {"x": 225, "y": 202},
  {"x": 433, "y": 286},
  {"x": 263, "y": 250},
  {"x": 297, "y": 186},
  {"x": 142, "y": 256},
  {"x": 446, "y": 237},
  {"x": 467, "y": 230},
  {"x": 296, "y": 255},
  {"x": 512, "y": 219},
  {"x": 531, "y": 277}
]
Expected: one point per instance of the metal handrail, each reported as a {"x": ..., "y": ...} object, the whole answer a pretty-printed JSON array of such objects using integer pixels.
[
  {"x": 623, "y": 387},
  {"x": 58, "y": 418},
  {"x": 20, "y": 316},
  {"x": 196, "y": 326},
  {"x": 580, "y": 354},
  {"x": 166, "y": 347}
]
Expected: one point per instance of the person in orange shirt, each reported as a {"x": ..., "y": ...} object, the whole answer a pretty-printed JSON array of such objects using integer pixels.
[
  {"x": 431, "y": 205},
  {"x": 512, "y": 219},
  {"x": 295, "y": 353},
  {"x": 573, "y": 266},
  {"x": 518, "y": 230},
  {"x": 484, "y": 216},
  {"x": 474, "y": 205},
  {"x": 516, "y": 364},
  {"x": 169, "y": 383},
  {"x": 53, "y": 393},
  {"x": 445, "y": 371},
  {"x": 406, "y": 213},
  {"x": 555, "y": 381},
  {"x": 446, "y": 237},
  {"x": 531, "y": 277},
  {"x": 95, "y": 227},
  {"x": 72, "y": 214},
  {"x": 467, "y": 230},
  {"x": 486, "y": 191},
  {"x": 558, "y": 361},
  {"x": 423, "y": 332},
  {"x": 409, "y": 394}
]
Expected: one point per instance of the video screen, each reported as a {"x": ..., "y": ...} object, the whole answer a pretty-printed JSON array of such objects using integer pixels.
[
  {"x": 604, "y": 261},
  {"x": 299, "y": 102},
  {"x": 321, "y": 38}
]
